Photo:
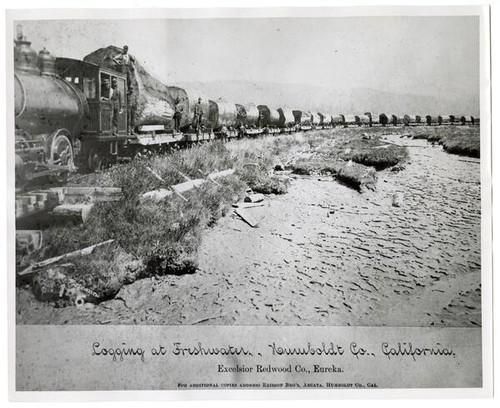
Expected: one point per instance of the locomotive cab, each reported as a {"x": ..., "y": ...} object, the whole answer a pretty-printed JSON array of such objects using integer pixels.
[
  {"x": 91, "y": 79},
  {"x": 103, "y": 135}
]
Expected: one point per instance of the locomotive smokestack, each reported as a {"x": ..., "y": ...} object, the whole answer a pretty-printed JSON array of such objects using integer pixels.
[
  {"x": 25, "y": 58},
  {"x": 19, "y": 32}
]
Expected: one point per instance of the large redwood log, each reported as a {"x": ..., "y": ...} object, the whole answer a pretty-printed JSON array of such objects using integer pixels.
[{"x": 151, "y": 101}]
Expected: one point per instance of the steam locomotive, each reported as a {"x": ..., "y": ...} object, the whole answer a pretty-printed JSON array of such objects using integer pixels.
[{"x": 62, "y": 121}]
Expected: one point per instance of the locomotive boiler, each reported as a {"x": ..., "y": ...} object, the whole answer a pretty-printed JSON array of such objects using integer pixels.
[{"x": 48, "y": 113}]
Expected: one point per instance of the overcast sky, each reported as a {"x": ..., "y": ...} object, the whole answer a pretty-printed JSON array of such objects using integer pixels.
[{"x": 423, "y": 55}]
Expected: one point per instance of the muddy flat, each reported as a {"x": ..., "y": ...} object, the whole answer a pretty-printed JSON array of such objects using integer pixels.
[{"x": 324, "y": 254}]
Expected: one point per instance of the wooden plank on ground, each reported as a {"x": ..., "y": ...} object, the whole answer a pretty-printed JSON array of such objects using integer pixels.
[
  {"x": 178, "y": 189},
  {"x": 248, "y": 205},
  {"x": 85, "y": 251},
  {"x": 219, "y": 174},
  {"x": 157, "y": 195},
  {"x": 246, "y": 217},
  {"x": 188, "y": 185}
]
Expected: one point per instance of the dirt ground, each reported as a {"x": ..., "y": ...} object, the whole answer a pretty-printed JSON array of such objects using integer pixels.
[{"x": 324, "y": 254}]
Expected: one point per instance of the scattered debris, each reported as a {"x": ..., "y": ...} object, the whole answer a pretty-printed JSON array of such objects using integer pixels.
[
  {"x": 39, "y": 265},
  {"x": 397, "y": 200},
  {"x": 246, "y": 217},
  {"x": 398, "y": 167},
  {"x": 279, "y": 167},
  {"x": 254, "y": 198},
  {"x": 248, "y": 205},
  {"x": 28, "y": 241}
]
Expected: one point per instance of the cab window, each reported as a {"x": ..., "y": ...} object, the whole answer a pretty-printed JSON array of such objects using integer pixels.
[
  {"x": 105, "y": 79},
  {"x": 90, "y": 88}
]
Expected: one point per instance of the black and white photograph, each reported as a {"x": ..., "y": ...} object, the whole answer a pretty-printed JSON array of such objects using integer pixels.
[{"x": 216, "y": 177}]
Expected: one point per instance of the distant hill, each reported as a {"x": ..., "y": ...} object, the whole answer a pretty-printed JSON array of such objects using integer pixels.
[{"x": 355, "y": 101}]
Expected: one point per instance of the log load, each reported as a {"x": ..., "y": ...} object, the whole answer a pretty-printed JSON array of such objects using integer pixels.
[
  {"x": 188, "y": 99},
  {"x": 248, "y": 114},
  {"x": 287, "y": 118},
  {"x": 302, "y": 118},
  {"x": 337, "y": 120},
  {"x": 270, "y": 117},
  {"x": 227, "y": 114},
  {"x": 151, "y": 101}
]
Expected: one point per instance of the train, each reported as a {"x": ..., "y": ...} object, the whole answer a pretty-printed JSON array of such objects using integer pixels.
[{"x": 64, "y": 124}]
